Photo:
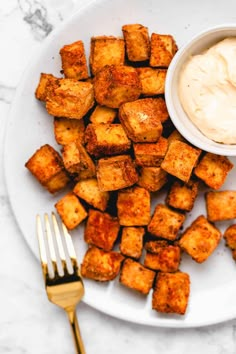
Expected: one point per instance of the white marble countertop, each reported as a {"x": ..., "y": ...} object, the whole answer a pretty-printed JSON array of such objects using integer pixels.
[{"x": 29, "y": 323}]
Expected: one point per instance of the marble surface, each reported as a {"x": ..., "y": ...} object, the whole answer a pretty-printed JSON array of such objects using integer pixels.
[{"x": 29, "y": 323}]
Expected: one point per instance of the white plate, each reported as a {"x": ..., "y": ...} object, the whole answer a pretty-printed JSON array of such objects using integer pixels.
[{"x": 213, "y": 283}]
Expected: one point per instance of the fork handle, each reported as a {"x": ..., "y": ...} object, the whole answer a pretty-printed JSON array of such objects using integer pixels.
[{"x": 76, "y": 332}]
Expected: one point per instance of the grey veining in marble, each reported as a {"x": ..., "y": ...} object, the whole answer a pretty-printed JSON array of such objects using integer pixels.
[{"x": 29, "y": 323}]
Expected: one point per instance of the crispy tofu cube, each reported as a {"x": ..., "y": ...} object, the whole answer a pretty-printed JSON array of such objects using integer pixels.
[
  {"x": 103, "y": 114},
  {"x": 175, "y": 135},
  {"x": 150, "y": 154},
  {"x": 221, "y": 205},
  {"x": 68, "y": 130},
  {"x": 106, "y": 50},
  {"x": 47, "y": 83},
  {"x": 101, "y": 265},
  {"x": 101, "y": 230},
  {"x": 182, "y": 195},
  {"x": 131, "y": 244},
  {"x": 213, "y": 170},
  {"x": 141, "y": 119},
  {"x": 116, "y": 84},
  {"x": 162, "y": 256},
  {"x": 165, "y": 222},
  {"x": 70, "y": 99},
  {"x": 152, "y": 81},
  {"x": 230, "y": 239},
  {"x": 88, "y": 190},
  {"x": 88, "y": 169},
  {"x": 71, "y": 210},
  {"x": 137, "y": 42},
  {"x": 171, "y": 293},
  {"x": 106, "y": 139},
  {"x": 73, "y": 60},
  {"x": 134, "y": 206},
  {"x": 163, "y": 48},
  {"x": 180, "y": 160},
  {"x": 47, "y": 167},
  {"x": 135, "y": 276},
  {"x": 200, "y": 239},
  {"x": 116, "y": 172},
  {"x": 152, "y": 178}
]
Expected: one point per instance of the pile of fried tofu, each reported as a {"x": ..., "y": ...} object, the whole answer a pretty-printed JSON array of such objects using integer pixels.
[{"x": 118, "y": 148}]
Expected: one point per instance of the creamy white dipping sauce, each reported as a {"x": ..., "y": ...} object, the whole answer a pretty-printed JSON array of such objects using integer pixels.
[{"x": 207, "y": 91}]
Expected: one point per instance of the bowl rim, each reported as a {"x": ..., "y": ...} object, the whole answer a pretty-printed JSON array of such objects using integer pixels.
[{"x": 207, "y": 144}]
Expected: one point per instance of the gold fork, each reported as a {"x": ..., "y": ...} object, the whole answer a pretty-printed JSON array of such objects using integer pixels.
[{"x": 61, "y": 273}]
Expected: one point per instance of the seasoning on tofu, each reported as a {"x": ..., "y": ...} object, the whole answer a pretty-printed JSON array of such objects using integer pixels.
[
  {"x": 165, "y": 223},
  {"x": 171, "y": 292},
  {"x": 103, "y": 114},
  {"x": 106, "y": 50},
  {"x": 162, "y": 256},
  {"x": 180, "y": 160},
  {"x": 135, "y": 276},
  {"x": 106, "y": 139},
  {"x": 152, "y": 178},
  {"x": 152, "y": 81},
  {"x": 163, "y": 49},
  {"x": 68, "y": 130},
  {"x": 71, "y": 210},
  {"x": 137, "y": 42},
  {"x": 46, "y": 85},
  {"x": 116, "y": 84},
  {"x": 150, "y": 154},
  {"x": 116, "y": 172},
  {"x": 131, "y": 244},
  {"x": 47, "y": 167},
  {"x": 73, "y": 60},
  {"x": 221, "y": 205},
  {"x": 230, "y": 239},
  {"x": 182, "y": 195},
  {"x": 101, "y": 265},
  {"x": 101, "y": 230},
  {"x": 200, "y": 239},
  {"x": 213, "y": 169},
  {"x": 134, "y": 206}
]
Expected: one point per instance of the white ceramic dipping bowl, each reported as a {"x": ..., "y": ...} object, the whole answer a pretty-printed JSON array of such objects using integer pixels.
[{"x": 190, "y": 132}]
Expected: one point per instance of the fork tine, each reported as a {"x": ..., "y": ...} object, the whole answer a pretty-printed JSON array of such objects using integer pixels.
[
  {"x": 59, "y": 243},
  {"x": 42, "y": 248},
  {"x": 50, "y": 244},
  {"x": 70, "y": 248}
]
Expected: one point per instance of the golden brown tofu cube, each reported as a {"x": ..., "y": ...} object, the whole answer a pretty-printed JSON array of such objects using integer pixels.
[
  {"x": 221, "y": 205},
  {"x": 182, "y": 195},
  {"x": 200, "y": 239},
  {"x": 68, "y": 130},
  {"x": 71, "y": 210},
  {"x": 171, "y": 293},
  {"x": 103, "y": 114},
  {"x": 162, "y": 256},
  {"x": 72, "y": 158},
  {"x": 137, "y": 42},
  {"x": 106, "y": 139},
  {"x": 47, "y": 167},
  {"x": 106, "y": 50},
  {"x": 116, "y": 172},
  {"x": 88, "y": 190},
  {"x": 165, "y": 222},
  {"x": 152, "y": 81},
  {"x": 47, "y": 83},
  {"x": 175, "y": 135},
  {"x": 213, "y": 170},
  {"x": 116, "y": 84},
  {"x": 230, "y": 239},
  {"x": 101, "y": 230},
  {"x": 140, "y": 120},
  {"x": 135, "y": 276},
  {"x": 134, "y": 206},
  {"x": 73, "y": 60},
  {"x": 101, "y": 265},
  {"x": 150, "y": 154},
  {"x": 163, "y": 48},
  {"x": 180, "y": 160},
  {"x": 152, "y": 178},
  {"x": 131, "y": 244},
  {"x": 88, "y": 169},
  {"x": 70, "y": 99}
]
